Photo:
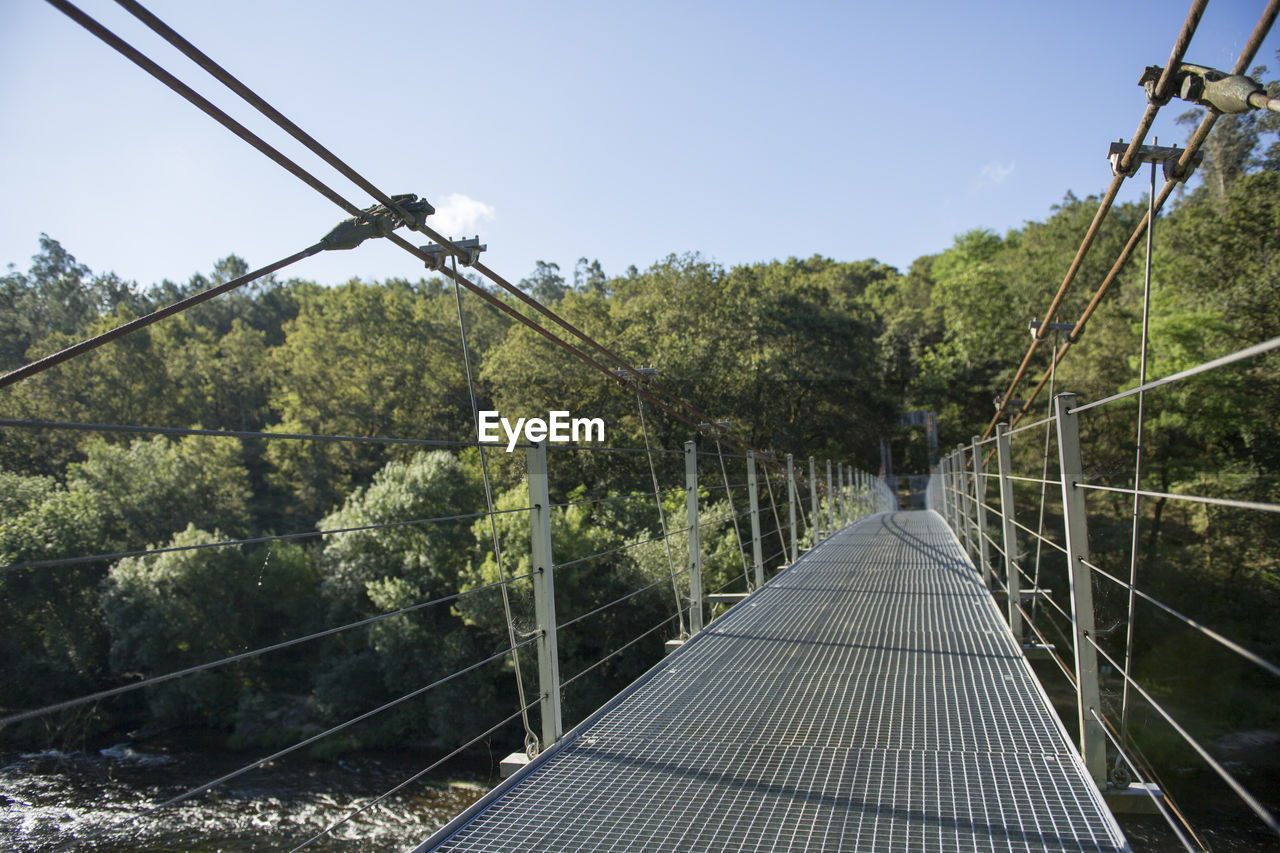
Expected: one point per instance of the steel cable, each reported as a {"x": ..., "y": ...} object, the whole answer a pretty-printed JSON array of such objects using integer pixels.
[
  {"x": 194, "y": 792},
  {"x": 279, "y": 119},
  {"x": 728, "y": 493},
  {"x": 191, "y": 670},
  {"x": 531, "y": 744},
  {"x": 415, "y": 777},
  {"x": 662, "y": 514},
  {"x": 284, "y": 537},
  {"x": 1162, "y": 91}
]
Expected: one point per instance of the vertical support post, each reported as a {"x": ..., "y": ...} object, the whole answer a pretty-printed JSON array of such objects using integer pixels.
[
  {"x": 944, "y": 469},
  {"x": 815, "y": 525},
  {"x": 1093, "y": 744},
  {"x": 695, "y": 537},
  {"x": 831, "y": 503},
  {"x": 544, "y": 594},
  {"x": 980, "y": 509},
  {"x": 1012, "y": 576},
  {"x": 791, "y": 505},
  {"x": 756, "y": 554},
  {"x": 840, "y": 511},
  {"x": 848, "y": 495}
]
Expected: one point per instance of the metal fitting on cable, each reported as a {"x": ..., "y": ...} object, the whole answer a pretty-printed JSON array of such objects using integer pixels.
[
  {"x": 468, "y": 252},
  {"x": 1035, "y": 326},
  {"x": 718, "y": 428},
  {"x": 1217, "y": 90},
  {"x": 1149, "y": 80},
  {"x": 376, "y": 221},
  {"x": 646, "y": 373},
  {"x": 1166, "y": 155}
]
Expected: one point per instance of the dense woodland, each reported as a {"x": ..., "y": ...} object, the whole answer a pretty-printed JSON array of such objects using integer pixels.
[{"x": 809, "y": 356}]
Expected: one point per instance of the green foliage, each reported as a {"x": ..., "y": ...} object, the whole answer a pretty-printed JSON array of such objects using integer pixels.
[
  {"x": 193, "y": 606},
  {"x": 811, "y": 356}
]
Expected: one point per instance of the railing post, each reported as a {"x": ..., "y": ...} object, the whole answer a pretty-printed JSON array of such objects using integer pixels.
[
  {"x": 1013, "y": 577},
  {"x": 695, "y": 537},
  {"x": 1093, "y": 744},
  {"x": 980, "y": 509},
  {"x": 850, "y": 510},
  {"x": 962, "y": 499},
  {"x": 791, "y": 505},
  {"x": 757, "y": 557},
  {"x": 815, "y": 525},
  {"x": 944, "y": 467},
  {"x": 544, "y": 594},
  {"x": 831, "y": 503}
]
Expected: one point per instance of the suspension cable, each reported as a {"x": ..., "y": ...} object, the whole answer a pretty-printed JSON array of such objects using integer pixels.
[
  {"x": 191, "y": 670},
  {"x": 1184, "y": 163},
  {"x": 234, "y": 543},
  {"x": 1137, "y": 461},
  {"x": 415, "y": 777},
  {"x": 1160, "y": 94},
  {"x": 728, "y": 494},
  {"x": 274, "y": 115},
  {"x": 530, "y": 739},
  {"x": 662, "y": 514},
  {"x": 1044, "y": 477},
  {"x": 42, "y": 364},
  {"x": 200, "y": 789},
  {"x": 777, "y": 520}
]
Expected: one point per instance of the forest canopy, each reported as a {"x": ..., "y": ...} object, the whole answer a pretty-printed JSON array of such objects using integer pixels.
[{"x": 805, "y": 356}]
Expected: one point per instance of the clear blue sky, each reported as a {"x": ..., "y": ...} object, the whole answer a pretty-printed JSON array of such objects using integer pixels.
[{"x": 620, "y": 131}]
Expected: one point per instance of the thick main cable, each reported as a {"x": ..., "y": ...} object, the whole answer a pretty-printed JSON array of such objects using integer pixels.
[
  {"x": 42, "y": 364},
  {"x": 257, "y": 102},
  {"x": 231, "y": 82},
  {"x": 1162, "y": 91},
  {"x": 1197, "y": 139}
]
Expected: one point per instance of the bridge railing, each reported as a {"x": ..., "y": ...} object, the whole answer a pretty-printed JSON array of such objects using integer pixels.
[
  {"x": 714, "y": 523},
  {"x": 984, "y": 499}
]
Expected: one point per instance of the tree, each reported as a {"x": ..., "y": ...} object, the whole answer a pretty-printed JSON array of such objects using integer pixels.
[
  {"x": 545, "y": 283},
  {"x": 188, "y": 607}
]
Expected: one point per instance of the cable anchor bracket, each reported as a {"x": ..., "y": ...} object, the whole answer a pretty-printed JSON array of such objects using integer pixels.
[
  {"x": 376, "y": 221},
  {"x": 468, "y": 252},
  {"x": 1166, "y": 156}
]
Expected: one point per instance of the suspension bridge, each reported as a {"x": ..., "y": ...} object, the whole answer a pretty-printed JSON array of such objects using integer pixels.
[{"x": 870, "y": 685}]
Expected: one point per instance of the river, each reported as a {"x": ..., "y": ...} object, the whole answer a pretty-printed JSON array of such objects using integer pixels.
[{"x": 53, "y": 798}]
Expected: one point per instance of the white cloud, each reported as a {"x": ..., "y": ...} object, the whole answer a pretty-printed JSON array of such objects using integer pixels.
[
  {"x": 994, "y": 174},
  {"x": 460, "y": 216}
]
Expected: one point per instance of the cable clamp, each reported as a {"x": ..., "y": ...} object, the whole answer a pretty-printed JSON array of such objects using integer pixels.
[
  {"x": 1217, "y": 90},
  {"x": 468, "y": 252},
  {"x": 1150, "y": 77},
  {"x": 646, "y": 374},
  {"x": 1166, "y": 155},
  {"x": 376, "y": 221}
]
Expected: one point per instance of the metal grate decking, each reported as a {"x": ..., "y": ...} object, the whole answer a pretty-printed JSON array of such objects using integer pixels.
[{"x": 868, "y": 698}]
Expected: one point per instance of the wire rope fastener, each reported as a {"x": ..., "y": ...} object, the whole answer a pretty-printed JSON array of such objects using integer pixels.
[
  {"x": 646, "y": 374},
  {"x": 468, "y": 252},
  {"x": 376, "y": 221},
  {"x": 1220, "y": 91},
  {"x": 1149, "y": 80}
]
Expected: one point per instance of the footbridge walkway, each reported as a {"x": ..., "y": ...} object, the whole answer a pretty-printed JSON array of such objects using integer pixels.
[{"x": 870, "y": 697}]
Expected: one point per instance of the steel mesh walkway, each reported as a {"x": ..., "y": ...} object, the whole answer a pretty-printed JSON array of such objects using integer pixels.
[{"x": 869, "y": 698}]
